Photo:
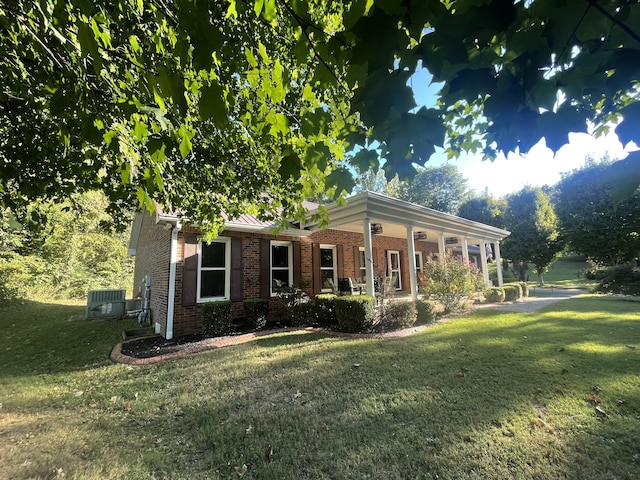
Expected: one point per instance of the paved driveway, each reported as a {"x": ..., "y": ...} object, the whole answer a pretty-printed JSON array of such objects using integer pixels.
[{"x": 540, "y": 297}]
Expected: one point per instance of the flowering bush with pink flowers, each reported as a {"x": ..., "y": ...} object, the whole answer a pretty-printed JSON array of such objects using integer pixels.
[{"x": 452, "y": 283}]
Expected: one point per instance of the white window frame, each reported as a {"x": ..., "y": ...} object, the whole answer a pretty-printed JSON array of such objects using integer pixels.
[
  {"x": 333, "y": 267},
  {"x": 419, "y": 264},
  {"x": 289, "y": 246},
  {"x": 391, "y": 271},
  {"x": 363, "y": 266},
  {"x": 226, "y": 268}
]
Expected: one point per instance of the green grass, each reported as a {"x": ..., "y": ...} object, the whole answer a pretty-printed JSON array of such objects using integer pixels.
[
  {"x": 566, "y": 272},
  {"x": 486, "y": 396}
]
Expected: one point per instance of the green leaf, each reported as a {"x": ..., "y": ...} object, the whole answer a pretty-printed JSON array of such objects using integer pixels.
[
  {"x": 212, "y": 104},
  {"x": 365, "y": 159},
  {"x": 290, "y": 167},
  {"x": 341, "y": 179},
  {"x": 257, "y": 6}
]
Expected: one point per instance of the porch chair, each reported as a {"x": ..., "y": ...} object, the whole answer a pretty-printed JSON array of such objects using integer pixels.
[
  {"x": 346, "y": 286},
  {"x": 389, "y": 289}
]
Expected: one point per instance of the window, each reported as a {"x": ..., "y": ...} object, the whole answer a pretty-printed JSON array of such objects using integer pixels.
[
  {"x": 328, "y": 267},
  {"x": 214, "y": 270},
  {"x": 363, "y": 264},
  {"x": 393, "y": 267},
  {"x": 418, "y": 262},
  {"x": 281, "y": 265}
]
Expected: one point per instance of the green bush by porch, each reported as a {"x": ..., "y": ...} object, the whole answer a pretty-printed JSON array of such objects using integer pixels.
[
  {"x": 355, "y": 313},
  {"x": 255, "y": 312},
  {"x": 216, "y": 318}
]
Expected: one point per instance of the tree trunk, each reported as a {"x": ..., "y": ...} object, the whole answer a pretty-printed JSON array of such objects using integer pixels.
[{"x": 540, "y": 280}]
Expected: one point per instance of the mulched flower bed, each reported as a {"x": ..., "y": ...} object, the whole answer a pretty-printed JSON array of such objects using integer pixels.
[{"x": 154, "y": 346}]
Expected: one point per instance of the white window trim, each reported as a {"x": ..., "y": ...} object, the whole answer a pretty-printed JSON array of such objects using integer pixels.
[
  {"x": 227, "y": 271},
  {"x": 419, "y": 263},
  {"x": 363, "y": 268},
  {"x": 334, "y": 267},
  {"x": 390, "y": 271},
  {"x": 289, "y": 246}
]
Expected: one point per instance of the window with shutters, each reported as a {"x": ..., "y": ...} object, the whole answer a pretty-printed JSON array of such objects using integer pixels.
[
  {"x": 281, "y": 265},
  {"x": 328, "y": 267},
  {"x": 214, "y": 268}
]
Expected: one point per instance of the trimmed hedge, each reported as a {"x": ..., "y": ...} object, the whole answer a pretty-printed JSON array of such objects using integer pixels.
[
  {"x": 494, "y": 295},
  {"x": 216, "y": 318},
  {"x": 255, "y": 312},
  {"x": 398, "y": 315},
  {"x": 355, "y": 313},
  {"x": 512, "y": 292},
  {"x": 622, "y": 279},
  {"x": 426, "y": 311},
  {"x": 325, "y": 310},
  {"x": 525, "y": 289}
]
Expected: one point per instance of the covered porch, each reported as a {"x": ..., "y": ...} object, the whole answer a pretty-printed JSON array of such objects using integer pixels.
[{"x": 377, "y": 216}]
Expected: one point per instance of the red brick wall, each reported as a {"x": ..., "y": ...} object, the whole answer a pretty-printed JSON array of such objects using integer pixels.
[{"x": 153, "y": 256}]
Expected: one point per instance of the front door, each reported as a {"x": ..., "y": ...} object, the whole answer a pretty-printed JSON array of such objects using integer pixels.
[{"x": 393, "y": 263}]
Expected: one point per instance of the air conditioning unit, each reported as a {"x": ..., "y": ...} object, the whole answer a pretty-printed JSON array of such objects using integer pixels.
[{"x": 105, "y": 304}]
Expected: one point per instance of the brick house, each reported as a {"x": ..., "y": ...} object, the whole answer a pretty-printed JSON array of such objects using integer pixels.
[{"x": 372, "y": 237}]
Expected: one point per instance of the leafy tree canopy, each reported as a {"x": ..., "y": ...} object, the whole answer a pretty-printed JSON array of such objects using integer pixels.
[
  {"x": 592, "y": 222},
  {"x": 239, "y": 106},
  {"x": 535, "y": 237},
  {"x": 442, "y": 188},
  {"x": 484, "y": 209}
]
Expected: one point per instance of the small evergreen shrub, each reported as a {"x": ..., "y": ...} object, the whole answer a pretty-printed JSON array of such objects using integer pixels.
[
  {"x": 355, "y": 313},
  {"x": 518, "y": 286},
  {"x": 623, "y": 279},
  {"x": 525, "y": 289},
  {"x": 426, "y": 311},
  {"x": 216, "y": 318},
  {"x": 512, "y": 292},
  {"x": 398, "y": 315},
  {"x": 255, "y": 312},
  {"x": 494, "y": 295},
  {"x": 325, "y": 310}
]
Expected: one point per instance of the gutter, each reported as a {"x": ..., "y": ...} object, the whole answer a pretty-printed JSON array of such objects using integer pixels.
[{"x": 171, "y": 294}]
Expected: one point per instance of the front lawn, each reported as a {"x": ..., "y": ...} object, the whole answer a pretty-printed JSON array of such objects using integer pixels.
[{"x": 487, "y": 396}]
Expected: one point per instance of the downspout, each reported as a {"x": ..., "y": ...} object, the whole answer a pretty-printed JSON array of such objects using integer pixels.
[{"x": 177, "y": 226}]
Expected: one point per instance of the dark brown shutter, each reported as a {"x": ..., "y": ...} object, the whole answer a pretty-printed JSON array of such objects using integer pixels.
[
  {"x": 190, "y": 271},
  {"x": 297, "y": 263},
  {"x": 356, "y": 262},
  {"x": 340, "y": 260},
  {"x": 374, "y": 259},
  {"x": 265, "y": 268},
  {"x": 315, "y": 265},
  {"x": 236, "y": 269}
]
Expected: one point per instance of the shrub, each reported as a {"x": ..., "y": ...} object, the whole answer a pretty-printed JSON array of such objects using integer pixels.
[
  {"x": 494, "y": 295},
  {"x": 398, "y": 315},
  {"x": 525, "y": 289},
  {"x": 325, "y": 310},
  {"x": 518, "y": 286},
  {"x": 451, "y": 282},
  {"x": 426, "y": 311},
  {"x": 216, "y": 318},
  {"x": 296, "y": 301},
  {"x": 512, "y": 292},
  {"x": 255, "y": 312},
  {"x": 623, "y": 279},
  {"x": 355, "y": 313}
]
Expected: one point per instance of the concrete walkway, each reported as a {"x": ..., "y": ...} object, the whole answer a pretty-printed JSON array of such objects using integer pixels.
[{"x": 538, "y": 298}]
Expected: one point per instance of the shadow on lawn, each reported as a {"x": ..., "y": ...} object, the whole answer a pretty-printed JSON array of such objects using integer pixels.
[
  {"x": 425, "y": 402},
  {"x": 42, "y": 337}
]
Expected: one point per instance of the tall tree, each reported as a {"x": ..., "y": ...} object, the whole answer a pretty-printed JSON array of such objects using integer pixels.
[
  {"x": 484, "y": 209},
  {"x": 442, "y": 188},
  {"x": 535, "y": 237},
  {"x": 250, "y": 106},
  {"x": 592, "y": 223}
]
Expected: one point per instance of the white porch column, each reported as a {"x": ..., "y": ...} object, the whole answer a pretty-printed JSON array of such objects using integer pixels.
[
  {"x": 483, "y": 261},
  {"x": 441, "y": 247},
  {"x": 499, "y": 263},
  {"x": 465, "y": 251},
  {"x": 412, "y": 264},
  {"x": 368, "y": 257}
]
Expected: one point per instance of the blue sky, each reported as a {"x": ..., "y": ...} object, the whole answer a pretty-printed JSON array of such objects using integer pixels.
[{"x": 509, "y": 174}]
